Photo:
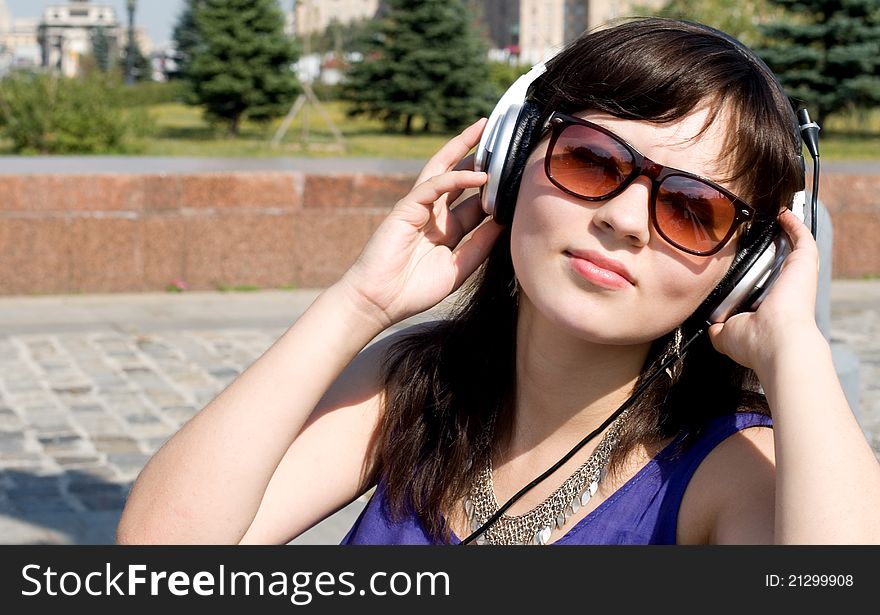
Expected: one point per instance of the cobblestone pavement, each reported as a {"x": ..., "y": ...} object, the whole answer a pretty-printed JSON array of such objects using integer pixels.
[{"x": 91, "y": 386}]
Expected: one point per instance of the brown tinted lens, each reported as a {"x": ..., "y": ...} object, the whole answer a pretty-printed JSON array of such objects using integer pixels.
[
  {"x": 588, "y": 162},
  {"x": 692, "y": 214}
]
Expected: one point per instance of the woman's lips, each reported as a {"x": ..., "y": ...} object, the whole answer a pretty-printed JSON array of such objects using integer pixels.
[{"x": 586, "y": 266}]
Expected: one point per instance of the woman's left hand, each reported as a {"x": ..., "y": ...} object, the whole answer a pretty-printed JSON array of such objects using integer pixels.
[{"x": 786, "y": 315}]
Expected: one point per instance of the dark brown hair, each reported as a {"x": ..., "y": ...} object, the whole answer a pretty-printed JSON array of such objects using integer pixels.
[{"x": 442, "y": 384}]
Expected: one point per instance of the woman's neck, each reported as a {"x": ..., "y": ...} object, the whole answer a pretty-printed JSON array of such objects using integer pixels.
[{"x": 565, "y": 386}]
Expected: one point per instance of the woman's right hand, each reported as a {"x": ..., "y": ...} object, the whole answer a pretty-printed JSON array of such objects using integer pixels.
[{"x": 416, "y": 257}]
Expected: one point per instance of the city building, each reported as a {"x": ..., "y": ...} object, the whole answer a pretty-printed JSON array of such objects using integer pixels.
[
  {"x": 65, "y": 33},
  {"x": 18, "y": 41},
  {"x": 311, "y": 16},
  {"x": 529, "y": 30}
]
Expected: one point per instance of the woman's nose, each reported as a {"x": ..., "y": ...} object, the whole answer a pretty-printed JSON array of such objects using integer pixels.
[{"x": 626, "y": 215}]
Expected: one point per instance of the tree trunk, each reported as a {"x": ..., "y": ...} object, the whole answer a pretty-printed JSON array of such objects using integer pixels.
[
  {"x": 407, "y": 129},
  {"x": 234, "y": 124}
]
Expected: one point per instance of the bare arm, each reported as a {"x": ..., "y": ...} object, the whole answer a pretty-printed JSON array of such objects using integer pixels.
[
  {"x": 206, "y": 483},
  {"x": 828, "y": 479},
  {"x": 244, "y": 469},
  {"x": 826, "y": 488}
]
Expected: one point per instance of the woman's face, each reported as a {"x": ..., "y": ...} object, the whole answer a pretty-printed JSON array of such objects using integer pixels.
[{"x": 661, "y": 285}]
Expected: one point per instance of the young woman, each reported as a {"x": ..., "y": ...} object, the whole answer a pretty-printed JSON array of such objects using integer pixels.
[{"x": 567, "y": 309}]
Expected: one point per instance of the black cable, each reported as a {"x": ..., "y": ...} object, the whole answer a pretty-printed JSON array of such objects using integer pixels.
[
  {"x": 810, "y": 134},
  {"x": 814, "y": 197},
  {"x": 641, "y": 389}
]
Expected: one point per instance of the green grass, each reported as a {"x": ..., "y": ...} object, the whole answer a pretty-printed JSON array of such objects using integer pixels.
[
  {"x": 855, "y": 136},
  {"x": 183, "y": 132}
]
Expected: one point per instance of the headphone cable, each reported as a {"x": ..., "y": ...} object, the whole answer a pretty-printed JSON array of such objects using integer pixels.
[{"x": 641, "y": 389}]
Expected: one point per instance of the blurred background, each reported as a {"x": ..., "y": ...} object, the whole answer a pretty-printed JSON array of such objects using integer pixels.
[{"x": 180, "y": 178}]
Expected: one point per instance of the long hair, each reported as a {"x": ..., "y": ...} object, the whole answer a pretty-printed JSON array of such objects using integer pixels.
[{"x": 442, "y": 385}]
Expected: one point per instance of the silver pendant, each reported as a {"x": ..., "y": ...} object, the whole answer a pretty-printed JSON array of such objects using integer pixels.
[
  {"x": 469, "y": 508},
  {"x": 585, "y": 497},
  {"x": 542, "y": 536},
  {"x": 560, "y": 520},
  {"x": 475, "y": 524},
  {"x": 575, "y": 505},
  {"x": 481, "y": 539},
  {"x": 593, "y": 487}
]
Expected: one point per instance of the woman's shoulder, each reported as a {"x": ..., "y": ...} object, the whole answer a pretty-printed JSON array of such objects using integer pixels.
[{"x": 730, "y": 496}]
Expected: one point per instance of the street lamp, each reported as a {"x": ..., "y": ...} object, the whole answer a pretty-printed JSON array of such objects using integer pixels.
[{"x": 131, "y": 5}]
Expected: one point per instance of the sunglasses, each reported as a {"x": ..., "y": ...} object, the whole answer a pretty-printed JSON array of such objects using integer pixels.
[{"x": 592, "y": 163}]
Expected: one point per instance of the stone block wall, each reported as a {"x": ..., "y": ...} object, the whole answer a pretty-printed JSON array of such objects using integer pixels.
[{"x": 105, "y": 233}]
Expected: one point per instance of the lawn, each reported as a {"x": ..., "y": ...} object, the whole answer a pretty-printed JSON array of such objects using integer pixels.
[{"x": 183, "y": 132}]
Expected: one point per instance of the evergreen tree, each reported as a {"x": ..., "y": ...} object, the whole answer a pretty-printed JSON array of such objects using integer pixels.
[
  {"x": 740, "y": 19},
  {"x": 186, "y": 38},
  {"x": 101, "y": 49},
  {"x": 142, "y": 68},
  {"x": 242, "y": 64},
  {"x": 827, "y": 53},
  {"x": 424, "y": 60}
]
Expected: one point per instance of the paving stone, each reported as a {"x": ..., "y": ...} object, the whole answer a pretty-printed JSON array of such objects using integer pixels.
[
  {"x": 87, "y": 409},
  {"x": 128, "y": 464},
  {"x": 31, "y": 398},
  {"x": 114, "y": 445},
  {"x": 56, "y": 420},
  {"x": 70, "y": 442},
  {"x": 9, "y": 420},
  {"x": 66, "y": 460},
  {"x": 105, "y": 426},
  {"x": 144, "y": 377},
  {"x": 27, "y": 461},
  {"x": 11, "y": 442},
  {"x": 154, "y": 444},
  {"x": 90, "y": 474},
  {"x": 76, "y": 386},
  {"x": 164, "y": 398},
  {"x": 98, "y": 496},
  {"x": 180, "y": 414},
  {"x": 26, "y": 505}
]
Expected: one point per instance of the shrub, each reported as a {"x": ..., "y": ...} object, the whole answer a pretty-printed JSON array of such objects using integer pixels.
[{"x": 48, "y": 114}]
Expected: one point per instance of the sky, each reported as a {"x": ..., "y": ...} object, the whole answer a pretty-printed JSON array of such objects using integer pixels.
[{"x": 157, "y": 16}]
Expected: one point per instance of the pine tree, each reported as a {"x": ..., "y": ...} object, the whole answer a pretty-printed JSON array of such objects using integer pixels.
[
  {"x": 740, "y": 19},
  {"x": 424, "y": 60},
  {"x": 186, "y": 38},
  {"x": 242, "y": 64},
  {"x": 827, "y": 53},
  {"x": 142, "y": 68},
  {"x": 101, "y": 49}
]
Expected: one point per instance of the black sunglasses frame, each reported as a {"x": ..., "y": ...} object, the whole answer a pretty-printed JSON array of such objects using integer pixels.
[{"x": 642, "y": 165}]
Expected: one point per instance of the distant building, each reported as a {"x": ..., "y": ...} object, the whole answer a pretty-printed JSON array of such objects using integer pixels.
[
  {"x": 530, "y": 30},
  {"x": 312, "y": 16},
  {"x": 18, "y": 41},
  {"x": 65, "y": 33}
]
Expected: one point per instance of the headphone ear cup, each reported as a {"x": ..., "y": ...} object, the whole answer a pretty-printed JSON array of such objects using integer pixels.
[
  {"x": 524, "y": 135},
  {"x": 752, "y": 270}
]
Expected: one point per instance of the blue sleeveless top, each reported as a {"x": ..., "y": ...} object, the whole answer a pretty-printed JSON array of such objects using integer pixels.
[{"x": 644, "y": 510}]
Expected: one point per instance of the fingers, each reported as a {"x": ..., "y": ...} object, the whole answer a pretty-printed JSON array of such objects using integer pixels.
[
  {"x": 453, "y": 151},
  {"x": 432, "y": 189},
  {"x": 797, "y": 230},
  {"x": 474, "y": 250},
  {"x": 799, "y": 234}
]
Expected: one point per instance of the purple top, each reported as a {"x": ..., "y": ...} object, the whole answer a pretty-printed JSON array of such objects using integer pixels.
[{"x": 644, "y": 510}]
